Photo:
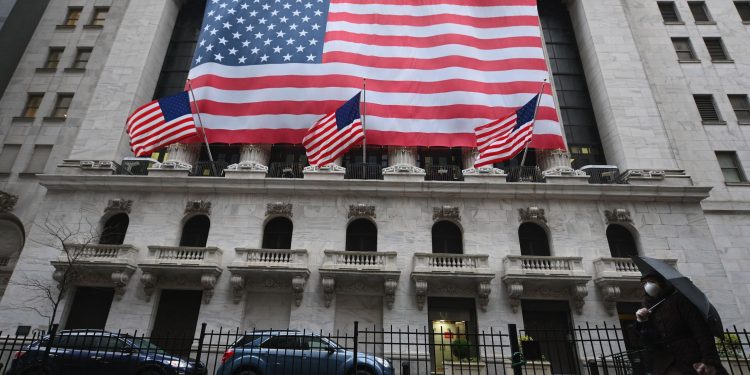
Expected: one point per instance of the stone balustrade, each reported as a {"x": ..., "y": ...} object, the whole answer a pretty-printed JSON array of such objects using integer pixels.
[
  {"x": 451, "y": 263},
  {"x": 619, "y": 279},
  {"x": 289, "y": 265},
  {"x": 543, "y": 265},
  {"x": 183, "y": 255},
  {"x": 441, "y": 269},
  {"x": 348, "y": 267},
  {"x": 359, "y": 260},
  {"x": 108, "y": 264},
  {"x": 199, "y": 265},
  {"x": 271, "y": 258}
]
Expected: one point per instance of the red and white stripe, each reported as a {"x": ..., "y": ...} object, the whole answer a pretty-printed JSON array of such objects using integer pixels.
[
  {"x": 435, "y": 69},
  {"x": 505, "y": 145},
  {"x": 325, "y": 143},
  {"x": 149, "y": 131}
]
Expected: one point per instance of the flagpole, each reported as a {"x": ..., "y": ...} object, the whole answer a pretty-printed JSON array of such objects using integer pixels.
[
  {"x": 536, "y": 108},
  {"x": 364, "y": 133},
  {"x": 200, "y": 121}
]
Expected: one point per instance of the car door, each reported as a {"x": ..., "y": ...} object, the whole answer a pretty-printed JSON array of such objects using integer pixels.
[
  {"x": 115, "y": 357},
  {"x": 318, "y": 357},
  {"x": 282, "y": 355}
]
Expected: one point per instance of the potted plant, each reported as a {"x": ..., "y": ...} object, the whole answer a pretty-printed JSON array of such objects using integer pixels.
[
  {"x": 530, "y": 348},
  {"x": 466, "y": 363},
  {"x": 729, "y": 347}
]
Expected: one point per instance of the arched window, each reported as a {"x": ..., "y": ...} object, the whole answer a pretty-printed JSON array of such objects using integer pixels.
[
  {"x": 11, "y": 237},
  {"x": 447, "y": 238},
  {"x": 114, "y": 229},
  {"x": 278, "y": 234},
  {"x": 621, "y": 242},
  {"x": 195, "y": 231},
  {"x": 533, "y": 239},
  {"x": 361, "y": 235}
]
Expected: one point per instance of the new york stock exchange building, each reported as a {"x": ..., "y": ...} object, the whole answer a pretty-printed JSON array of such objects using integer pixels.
[{"x": 651, "y": 97}]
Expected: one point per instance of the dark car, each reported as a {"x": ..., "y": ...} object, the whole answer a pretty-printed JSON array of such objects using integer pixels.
[
  {"x": 99, "y": 352},
  {"x": 293, "y": 352}
]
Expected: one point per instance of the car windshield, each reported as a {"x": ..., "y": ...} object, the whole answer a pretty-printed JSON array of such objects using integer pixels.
[{"x": 146, "y": 346}]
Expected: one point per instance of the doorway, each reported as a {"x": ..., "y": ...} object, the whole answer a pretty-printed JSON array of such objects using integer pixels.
[
  {"x": 453, "y": 322},
  {"x": 176, "y": 319},
  {"x": 549, "y": 324},
  {"x": 90, "y": 308}
]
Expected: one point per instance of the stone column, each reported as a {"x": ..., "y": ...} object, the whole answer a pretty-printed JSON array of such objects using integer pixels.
[
  {"x": 402, "y": 165},
  {"x": 127, "y": 79},
  {"x": 253, "y": 163},
  {"x": 555, "y": 165},
  {"x": 333, "y": 171},
  {"x": 179, "y": 162},
  {"x": 486, "y": 173}
]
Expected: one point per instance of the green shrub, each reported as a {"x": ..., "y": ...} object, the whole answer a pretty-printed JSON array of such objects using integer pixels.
[
  {"x": 461, "y": 349},
  {"x": 729, "y": 346}
]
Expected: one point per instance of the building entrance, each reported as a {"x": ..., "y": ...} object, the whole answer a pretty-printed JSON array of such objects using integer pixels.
[
  {"x": 90, "y": 308},
  {"x": 549, "y": 324},
  {"x": 453, "y": 322},
  {"x": 176, "y": 319}
]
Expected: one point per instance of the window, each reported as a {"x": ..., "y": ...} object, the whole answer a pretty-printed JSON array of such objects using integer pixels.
[
  {"x": 62, "y": 105},
  {"x": 730, "y": 166},
  {"x": 361, "y": 235},
  {"x": 179, "y": 57},
  {"x": 53, "y": 57},
  {"x": 278, "y": 234},
  {"x": 743, "y": 8},
  {"x": 195, "y": 231},
  {"x": 100, "y": 15},
  {"x": 282, "y": 342},
  {"x": 621, "y": 242},
  {"x": 32, "y": 105},
  {"x": 699, "y": 11},
  {"x": 683, "y": 49},
  {"x": 741, "y": 108},
  {"x": 83, "y": 55},
  {"x": 707, "y": 108},
  {"x": 39, "y": 159},
  {"x": 716, "y": 49},
  {"x": 72, "y": 17},
  {"x": 8, "y": 157},
  {"x": 533, "y": 239},
  {"x": 447, "y": 238},
  {"x": 114, "y": 229},
  {"x": 668, "y": 12}
]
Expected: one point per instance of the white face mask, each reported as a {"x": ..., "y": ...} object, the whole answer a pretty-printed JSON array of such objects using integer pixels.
[{"x": 652, "y": 289}]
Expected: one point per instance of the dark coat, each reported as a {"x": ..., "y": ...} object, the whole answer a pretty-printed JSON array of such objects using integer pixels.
[{"x": 676, "y": 336}]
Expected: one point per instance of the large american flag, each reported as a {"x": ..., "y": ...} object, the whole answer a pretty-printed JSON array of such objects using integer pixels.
[
  {"x": 264, "y": 70},
  {"x": 503, "y": 139},
  {"x": 334, "y": 134}
]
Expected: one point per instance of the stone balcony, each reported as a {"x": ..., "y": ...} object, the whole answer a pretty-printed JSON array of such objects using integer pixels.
[
  {"x": 545, "y": 276},
  {"x": 181, "y": 264},
  {"x": 271, "y": 265},
  {"x": 96, "y": 264},
  {"x": 619, "y": 280},
  {"x": 359, "y": 270},
  {"x": 431, "y": 270}
]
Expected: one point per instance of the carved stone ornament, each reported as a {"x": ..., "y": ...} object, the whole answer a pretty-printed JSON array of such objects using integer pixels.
[
  {"x": 238, "y": 287},
  {"x": 446, "y": 212},
  {"x": 611, "y": 294},
  {"x": 421, "y": 292},
  {"x": 97, "y": 164},
  {"x": 298, "y": 288},
  {"x": 515, "y": 291},
  {"x": 250, "y": 166},
  {"x": 149, "y": 281},
  {"x": 172, "y": 164},
  {"x": 483, "y": 292},
  {"x": 389, "y": 290},
  {"x": 119, "y": 205},
  {"x": 208, "y": 282},
  {"x": 619, "y": 215},
  {"x": 531, "y": 214},
  {"x": 486, "y": 170},
  {"x": 361, "y": 210},
  {"x": 328, "y": 288},
  {"x": 325, "y": 168},
  {"x": 579, "y": 292},
  {"x": 198, "y": 207},
  {"x": 645, "y": 173},
  {"x": 279, "y": 209},
  {"x": 403, "y": 168},
  {"x": 120, "y": 281},
  {"x": 7, "y": 201}
]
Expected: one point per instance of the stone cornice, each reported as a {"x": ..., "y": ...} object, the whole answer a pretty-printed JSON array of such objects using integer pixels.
[{"x": 375, "y": 188}]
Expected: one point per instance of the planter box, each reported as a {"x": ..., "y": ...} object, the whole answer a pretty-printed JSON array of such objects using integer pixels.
[
  {"x": 465, "y": 368},
  {"x": 736, "y": 366},
  {"x": 531, "y": 350}
]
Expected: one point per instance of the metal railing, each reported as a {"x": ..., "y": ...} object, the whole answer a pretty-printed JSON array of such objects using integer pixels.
[
  {"x": 443, "y": 173},
  {"x": 525, "y": 174},
  {"x": 286, "y": 170},
  {"x": 209, "y": 169},
  {"x": 604, "y": 175},
  {"x": 364, "y": 171},
  {"x": 134, "y": 167},
  {"x": 443, "y": 347}
]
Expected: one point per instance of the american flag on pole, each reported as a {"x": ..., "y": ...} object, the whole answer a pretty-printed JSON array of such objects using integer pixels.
[
  {"x": 334, "y": 134},
  {"x": 160, "y": 123},
  {"x": 264, "y": 70},
  {"x": 503, "y": 139}
]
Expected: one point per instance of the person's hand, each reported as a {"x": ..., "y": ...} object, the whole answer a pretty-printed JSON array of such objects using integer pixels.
[
  {"x": 642, "y": 314},
  {"x": 704, "y": 369}
]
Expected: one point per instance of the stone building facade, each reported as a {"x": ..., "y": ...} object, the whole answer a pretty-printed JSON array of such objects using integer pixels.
[{"x": 248, "y": 247}]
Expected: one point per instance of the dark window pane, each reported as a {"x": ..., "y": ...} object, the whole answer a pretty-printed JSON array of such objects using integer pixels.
[
  {"x": 668, "y": 11},
  {"x": 195, "y": 231},
  {"x": 699, "y": 11},
  {"x": 361, "y": 235},
  {"x": 447, "y": 238},
  {"x": 706, "y": 108},
  {"x": 278, "y": 234},
  {"x": 533, "y": 240},
  {"x": 621, "y": 242}
]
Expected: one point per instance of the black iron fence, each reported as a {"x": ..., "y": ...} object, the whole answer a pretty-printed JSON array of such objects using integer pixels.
[
  {"x": 286, "y": 170},
  {"x": 443, "y": 173},
  {"x": 525, "y": 174},
  {"x": 209, "y": 169},
  {"x": 447, "y": 349},
  {"x": 604, "y": 175},
  {"x": 364, "y": 171}
]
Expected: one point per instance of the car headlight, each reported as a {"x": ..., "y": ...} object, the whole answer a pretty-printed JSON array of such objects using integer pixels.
[
  {"x": 383, "y": 362},
  {"x": 176, "y": 363}
]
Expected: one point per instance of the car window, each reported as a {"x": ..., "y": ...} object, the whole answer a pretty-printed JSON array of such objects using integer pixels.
[
  {"x": 282, "y": 342},
  {"x": 110, "y": 344},
  {"x": 314, "y": 343},
  {"x": 145, "y": 345},
  {"x": 246, "y": 340},
  {"x": 74, "y": 342}
]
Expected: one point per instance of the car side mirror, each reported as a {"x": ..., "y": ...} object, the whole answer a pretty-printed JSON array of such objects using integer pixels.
[
  {"x": 331, "y": 350},
  {"x": 127, "y": 350}
]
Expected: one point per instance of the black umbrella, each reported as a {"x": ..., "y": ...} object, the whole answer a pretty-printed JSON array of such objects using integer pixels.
[{"x": 682, "y": 284}]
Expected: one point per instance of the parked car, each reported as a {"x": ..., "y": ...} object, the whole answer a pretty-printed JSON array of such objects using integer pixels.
[
  {"x": 99, "y": 352},
  {"x": 294, "y": 352}
]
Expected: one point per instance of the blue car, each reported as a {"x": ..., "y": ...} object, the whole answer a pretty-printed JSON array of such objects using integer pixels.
[
  {"x": 293, "y": 352},
  {"x": 99, "y": 352}
]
